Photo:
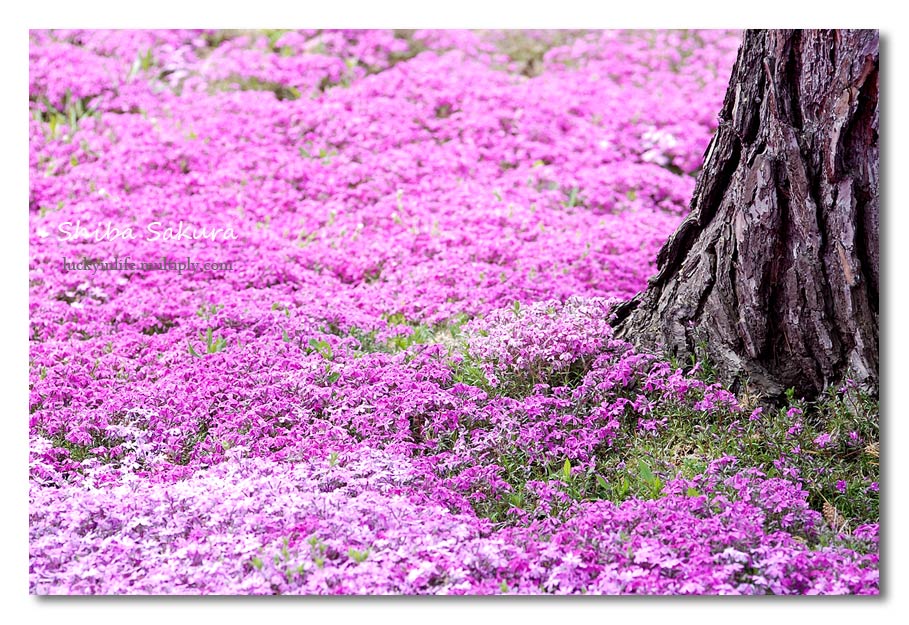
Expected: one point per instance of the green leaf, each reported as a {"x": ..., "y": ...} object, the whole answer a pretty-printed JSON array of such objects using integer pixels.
[
  {"x": 644, "y": 471},
  {"x": 656, "y": 487},
  {"x": 322, "y": 346},
  {"x": 624, "y": 487},
  {"x": 566, "y": 470},
  {"x": 148, "y": 60},
  {"x": 358, "y": 556},
  {"x": 572, "y": 197}
]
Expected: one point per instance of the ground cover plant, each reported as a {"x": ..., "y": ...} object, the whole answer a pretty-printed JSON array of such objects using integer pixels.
[{"x": 327, "y": 312}]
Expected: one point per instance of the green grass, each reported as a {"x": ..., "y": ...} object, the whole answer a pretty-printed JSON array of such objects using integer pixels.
[{"x": 779, "y": 441}]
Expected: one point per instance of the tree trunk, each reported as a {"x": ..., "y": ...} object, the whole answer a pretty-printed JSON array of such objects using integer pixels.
[{"x": 774, "y": 272}]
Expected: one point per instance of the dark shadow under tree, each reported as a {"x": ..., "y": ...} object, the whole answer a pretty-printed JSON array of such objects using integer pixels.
[{"x": 773, "y": 276}]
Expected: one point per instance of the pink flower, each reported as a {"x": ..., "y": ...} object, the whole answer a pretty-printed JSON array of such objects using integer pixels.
[{"x": 793, "y": 412}]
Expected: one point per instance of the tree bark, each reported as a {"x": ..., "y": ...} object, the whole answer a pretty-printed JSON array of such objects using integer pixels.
[{"x": 773, "y": 275}]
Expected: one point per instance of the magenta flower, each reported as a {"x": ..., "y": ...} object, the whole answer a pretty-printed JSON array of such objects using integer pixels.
[{"x": 328, "y": 312}]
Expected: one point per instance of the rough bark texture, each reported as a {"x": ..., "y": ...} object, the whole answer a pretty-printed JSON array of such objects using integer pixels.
[{"x": 775, "y": 270}]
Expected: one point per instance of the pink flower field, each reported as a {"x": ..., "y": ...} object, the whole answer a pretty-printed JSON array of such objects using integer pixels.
[{"x": 327, "y": 312}]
